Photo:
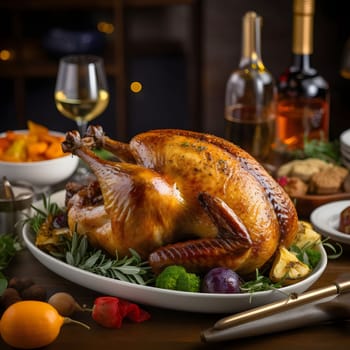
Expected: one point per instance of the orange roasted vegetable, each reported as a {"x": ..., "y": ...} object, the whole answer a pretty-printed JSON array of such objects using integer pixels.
[
  {"x": 35, "y": 150},
  {"x": 32, "y": 324},
  {"x": 36, "y": 129},
  {"x": 4, "y": 143},
  {"x": 54, "y": 151},
  {"x": 16, "y": 152},
  {"x": 35, "y": 145}
]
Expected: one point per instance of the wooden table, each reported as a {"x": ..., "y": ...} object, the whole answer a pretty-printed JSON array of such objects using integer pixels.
[{"x": 171, "y": 329}]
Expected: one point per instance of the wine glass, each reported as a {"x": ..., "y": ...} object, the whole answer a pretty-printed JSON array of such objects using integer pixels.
[{"x": 81, "y": 92}]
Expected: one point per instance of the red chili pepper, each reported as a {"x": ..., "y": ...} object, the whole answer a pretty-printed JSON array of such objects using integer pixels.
[
  {"x": 133, "y": 312},
  {"x": 110, "y": 312}
]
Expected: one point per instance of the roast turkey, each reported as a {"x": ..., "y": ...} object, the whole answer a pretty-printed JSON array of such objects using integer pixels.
[{"x": 181, "y": 197}]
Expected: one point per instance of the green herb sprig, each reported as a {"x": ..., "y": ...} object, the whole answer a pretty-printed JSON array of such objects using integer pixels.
[
  {"x": 78, "y": 252},
  {"x": 308, "y": 254},
  {"x": 132, "y": 269},
  {"x": 259, "y": 284},
  {"x": 9, "y": 246},
  {"x": 321, "y": 149},
  {"x": 41, "y": 215}
]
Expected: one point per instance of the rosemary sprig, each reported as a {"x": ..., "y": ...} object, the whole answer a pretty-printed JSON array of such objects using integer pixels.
[
  {"x": 41, "y": 215},
  {"x": 131, "y": 268},
  {"x": 78, "y": 252},
  {"x": 259, "y": 284}
]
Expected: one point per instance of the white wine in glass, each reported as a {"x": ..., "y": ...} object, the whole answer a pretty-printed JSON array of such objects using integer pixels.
[{"x": 81, "y": 92}]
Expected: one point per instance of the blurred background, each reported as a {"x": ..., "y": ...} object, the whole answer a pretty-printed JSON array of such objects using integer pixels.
[{"x": 167, "y": 61}]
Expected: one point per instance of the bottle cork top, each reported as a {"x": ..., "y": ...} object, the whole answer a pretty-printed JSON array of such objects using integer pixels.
[
  {"x": 304, "y": 7},
  {"x": 303, "y": 26},
  {"x": 251, "y": 34}
]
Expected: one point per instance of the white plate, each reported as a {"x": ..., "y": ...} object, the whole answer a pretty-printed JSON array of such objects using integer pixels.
[
  {"x": 346, "y": 162},
  {"x": 169, "y": 299},
  {"x": 345, "y": 139},
  {"x": 345, "y": 152},
  {"x": 326, "y": 219}
]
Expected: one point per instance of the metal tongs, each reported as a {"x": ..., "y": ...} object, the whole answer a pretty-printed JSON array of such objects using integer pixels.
[{"x": 323, "y": 304}]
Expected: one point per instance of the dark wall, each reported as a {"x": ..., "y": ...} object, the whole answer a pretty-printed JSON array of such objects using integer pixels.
[
  {"x": 164, "y": 104},
  {"x": 222, "y": 26}
]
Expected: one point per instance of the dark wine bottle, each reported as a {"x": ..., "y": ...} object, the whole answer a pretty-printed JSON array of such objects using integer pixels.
[{"x": 303, "y": 94}]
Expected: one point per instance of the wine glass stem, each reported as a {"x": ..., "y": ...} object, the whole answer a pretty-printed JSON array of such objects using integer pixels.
[
  {"x": 82, "y": 127},
  {"x": 81, "y": 174}
]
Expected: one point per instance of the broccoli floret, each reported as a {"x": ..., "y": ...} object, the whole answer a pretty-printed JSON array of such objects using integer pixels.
[
  {"x": 168, "y": 277},
  {"x": 176, "y": 277},
  {"x": 188, "y": 282}
]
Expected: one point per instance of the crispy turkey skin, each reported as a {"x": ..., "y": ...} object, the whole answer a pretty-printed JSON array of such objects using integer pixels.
[{"x": 182, "y": 197}]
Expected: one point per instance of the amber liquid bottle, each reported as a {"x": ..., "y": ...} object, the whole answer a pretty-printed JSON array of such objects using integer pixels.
[
  {"x": 303, "y": 95},
  {"x": 250, "y": 105}
]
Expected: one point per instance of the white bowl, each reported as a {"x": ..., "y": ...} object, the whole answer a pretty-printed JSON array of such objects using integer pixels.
[{"x": 40, "y": 173}]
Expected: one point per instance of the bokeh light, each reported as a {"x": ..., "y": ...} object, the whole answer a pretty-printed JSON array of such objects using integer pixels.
[
  {"x": 105, "y": 27},
  {"x": 136, "y": 87},
  {"x": 6, "y": 55}
]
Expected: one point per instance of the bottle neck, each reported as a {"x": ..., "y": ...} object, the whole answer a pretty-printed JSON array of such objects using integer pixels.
[
  {"x": 303, "y": 27},
  {"x": 251, "y": 41},
  {"x": 302, "y": 63},
  {"x": 303, "y": 17}
]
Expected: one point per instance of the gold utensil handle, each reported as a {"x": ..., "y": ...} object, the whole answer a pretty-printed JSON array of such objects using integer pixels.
[
  {"x": 292, "y": 301},
  {"x": 338, "y": 308}
]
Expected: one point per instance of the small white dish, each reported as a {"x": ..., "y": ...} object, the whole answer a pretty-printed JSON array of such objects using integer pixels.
[
  {"x": 345, "y": 139},
  {"x": 345, "y": 152},
  {"x": 326, "y": 218},
  {"x": 163, "y": 298},
  {"x": 345, "y": 162}
]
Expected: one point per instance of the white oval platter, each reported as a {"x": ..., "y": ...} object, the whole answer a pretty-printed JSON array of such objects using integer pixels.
[{"x": 162, "y": 298}]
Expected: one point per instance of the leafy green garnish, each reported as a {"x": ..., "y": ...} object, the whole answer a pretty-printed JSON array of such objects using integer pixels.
[
  {"x": 328, "y": 151},
  {"x": 104, "y": 154},
  {"x": 308, "y": 255},
  {"x": 260, "y": 283},
  {"x": 41, "y": 215},
  {"x": 3, "y": 283},
  {"x": 77, "y": 252},
  {"x": 9, "y": 246},
  {"x": 132, "y": 269}
]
